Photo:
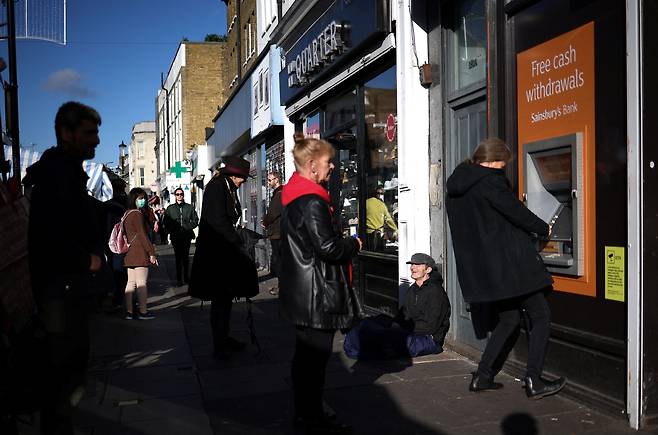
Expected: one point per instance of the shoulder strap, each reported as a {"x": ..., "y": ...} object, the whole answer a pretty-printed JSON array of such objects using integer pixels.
[{"x": 125, "y": 215}]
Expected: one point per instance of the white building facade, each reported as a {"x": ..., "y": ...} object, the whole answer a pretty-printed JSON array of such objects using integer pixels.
[{"x": 141, "y": 156}]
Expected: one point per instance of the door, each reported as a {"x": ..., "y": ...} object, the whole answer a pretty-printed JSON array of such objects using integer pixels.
[{"x": 468, "y": 126}]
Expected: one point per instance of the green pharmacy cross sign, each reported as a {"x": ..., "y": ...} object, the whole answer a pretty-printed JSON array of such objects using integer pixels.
[{"x": 178, "y": 169}]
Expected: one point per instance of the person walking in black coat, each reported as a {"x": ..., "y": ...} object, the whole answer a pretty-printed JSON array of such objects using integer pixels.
[
  {"x": 498, "y": 264},
  {"x": 314, "y": 292},
  {"x": 180, "y": 220},
  {"x": 221, "y": 268}
]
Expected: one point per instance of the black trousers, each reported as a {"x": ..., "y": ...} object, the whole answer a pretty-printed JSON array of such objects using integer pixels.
[
  {"x": 274, "y": 259},
  {"x": 220, "y": 319},
  {"x": 509, "y": 314},
  {"x": 66, "y": 323},
  {"x": 182, "y": 254},
  {"x": 312, "y": 351}
]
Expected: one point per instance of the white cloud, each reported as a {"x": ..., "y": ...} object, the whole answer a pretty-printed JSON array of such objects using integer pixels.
[{"x": 67, "y": 81}]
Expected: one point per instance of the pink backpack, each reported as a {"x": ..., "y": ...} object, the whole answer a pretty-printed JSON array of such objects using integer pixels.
[{"x": 118, "y": 242}]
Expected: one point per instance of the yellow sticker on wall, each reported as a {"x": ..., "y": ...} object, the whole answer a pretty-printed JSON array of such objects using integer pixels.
[{"x": 615, "y": 272}]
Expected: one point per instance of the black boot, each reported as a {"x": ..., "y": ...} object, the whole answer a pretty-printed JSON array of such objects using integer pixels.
[
  {"x": 483, "y": 383},
  {"x": 536, "y": 387}
]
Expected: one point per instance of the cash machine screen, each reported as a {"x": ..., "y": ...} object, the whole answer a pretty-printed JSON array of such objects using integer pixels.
[
  {"x": 555, "y": 168},
  {"x": 551, "y": 193}
]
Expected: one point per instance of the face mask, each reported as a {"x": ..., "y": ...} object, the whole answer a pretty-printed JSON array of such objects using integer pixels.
[{"x": 140, "y": 203}]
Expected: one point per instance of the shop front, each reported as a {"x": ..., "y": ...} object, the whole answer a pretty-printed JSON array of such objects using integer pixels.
[
  {"x": 339, "y": 85},
  {"x": 550, "y": 78}
]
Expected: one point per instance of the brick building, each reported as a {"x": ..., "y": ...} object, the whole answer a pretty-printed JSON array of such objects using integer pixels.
[
  {"x": 195, "y": 86},
  {"x": 242, "y": 39}
]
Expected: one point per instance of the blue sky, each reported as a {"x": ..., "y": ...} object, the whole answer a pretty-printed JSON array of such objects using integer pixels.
[{"x": 115, "y": 53}]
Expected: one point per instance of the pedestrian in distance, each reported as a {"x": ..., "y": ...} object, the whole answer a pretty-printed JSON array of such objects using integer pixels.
[
  {"x": 114, "y": 211},
  {"x": 221, "y": 268},
  {"x": 272, "y": 224},
  {"x": 180, "y": 220},
  {"x": 315, "y": 294},
  {"x": 140, "y": 255},
  {"x": 498, "y": 264},
  {"x": 65, "y": 245}
]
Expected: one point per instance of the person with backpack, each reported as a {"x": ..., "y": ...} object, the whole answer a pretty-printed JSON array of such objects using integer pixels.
[
  {"x": 140, "y": 255},
  {"x": 181, "y": 219}
]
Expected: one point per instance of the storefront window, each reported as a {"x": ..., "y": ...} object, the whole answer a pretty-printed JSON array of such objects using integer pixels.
[
  {"x": 467, "y": 44},
  {"x": 312, "y": 126},
  {"x": 339, "y": 111},
  {"x": 344, "y": 181},
  {"x": 382, "y": 163}
]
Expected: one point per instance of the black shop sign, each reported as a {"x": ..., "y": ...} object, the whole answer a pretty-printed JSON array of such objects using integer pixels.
[{"x": 335, "y": 38}]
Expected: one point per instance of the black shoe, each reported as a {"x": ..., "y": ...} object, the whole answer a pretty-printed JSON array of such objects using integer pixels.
[
  {"x": 320, "y": 426},
  {"x": 483, "y": 383},
  {"x": 231, "y": 343},
  {"x": 536, "y": 388}
]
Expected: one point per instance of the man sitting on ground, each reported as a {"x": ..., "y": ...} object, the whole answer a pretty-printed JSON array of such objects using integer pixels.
[{"x": 418, "y": 329}]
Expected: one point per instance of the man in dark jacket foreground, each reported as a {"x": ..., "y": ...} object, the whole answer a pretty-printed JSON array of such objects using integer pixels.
[
  {"x": 418, "y": 329},
  {"x": 65, "y": 249}
]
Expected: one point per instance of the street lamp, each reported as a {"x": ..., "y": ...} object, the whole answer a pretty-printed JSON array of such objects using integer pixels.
[{"x": 122, "y": 159}]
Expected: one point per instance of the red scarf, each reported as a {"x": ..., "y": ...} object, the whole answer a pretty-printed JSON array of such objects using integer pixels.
[{"x": 299, "y": 186}]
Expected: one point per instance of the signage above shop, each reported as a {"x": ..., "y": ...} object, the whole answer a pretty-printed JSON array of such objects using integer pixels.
[
  {"x": 340, "y": 34},
  {"x": 319, "y": 53}
]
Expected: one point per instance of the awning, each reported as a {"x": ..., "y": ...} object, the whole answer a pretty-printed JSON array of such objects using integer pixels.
[{"x": 98, "y": 185}]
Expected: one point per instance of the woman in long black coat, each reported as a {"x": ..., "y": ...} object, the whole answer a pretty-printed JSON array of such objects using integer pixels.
[
  {"x": 314, "y": 288},
  {"x": 497, "y": 262},
  {"x": 221, "y": 269}
]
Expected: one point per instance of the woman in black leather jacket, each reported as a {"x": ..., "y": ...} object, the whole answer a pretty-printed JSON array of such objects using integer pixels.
[{"x": 314, "y": 290}]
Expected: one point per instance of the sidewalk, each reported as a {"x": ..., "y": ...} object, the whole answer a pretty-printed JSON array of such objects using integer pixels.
[{"x": 159, "y": 377}]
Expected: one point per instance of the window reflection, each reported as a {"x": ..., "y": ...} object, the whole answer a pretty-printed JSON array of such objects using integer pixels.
[
  {"x": 468, "y": 44},
  {"x": 382, "y": 163},
  {"x": 312, "y": 126},
  {"x": 344, "y": 183},
  {"x": 340, "y": 111}
]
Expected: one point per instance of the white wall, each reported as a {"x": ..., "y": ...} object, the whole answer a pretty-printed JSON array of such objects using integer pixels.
[
  {"x": 142, "y": 155},
  {"x": 413, "y": 141},
  {"x": 268, "y": 18},
  {"x": 266, "y": 108},
  {"x": 285, "y": 5}
]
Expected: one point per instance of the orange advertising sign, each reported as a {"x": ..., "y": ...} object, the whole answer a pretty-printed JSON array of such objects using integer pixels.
[{"x": 556, "y": 97}]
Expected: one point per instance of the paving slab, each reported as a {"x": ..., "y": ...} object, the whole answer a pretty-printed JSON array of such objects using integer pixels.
[{"x": 160, "y": 377}]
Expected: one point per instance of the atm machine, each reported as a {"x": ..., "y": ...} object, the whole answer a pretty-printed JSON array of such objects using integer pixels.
[{"x": 553, "y": 190}]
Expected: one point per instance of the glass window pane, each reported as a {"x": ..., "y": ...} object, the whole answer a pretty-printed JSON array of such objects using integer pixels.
[
  {"x": 344, "y": 181},
  {"x": 312, "y": 126},
  {"x": 468, "y": 44},
  {"x": 340, "y": 111},
  {"x": 382, "y": 167}
]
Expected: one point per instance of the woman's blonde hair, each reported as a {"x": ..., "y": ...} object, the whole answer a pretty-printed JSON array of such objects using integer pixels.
[
  {"x": 491, "y": 150},
  {"x": 307, "y": 148}
]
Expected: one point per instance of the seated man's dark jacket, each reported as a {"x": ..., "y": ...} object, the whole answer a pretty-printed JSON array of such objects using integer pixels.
[
  {"x": 427, "y": 309},
  {"x": 64, "y": 227}
]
